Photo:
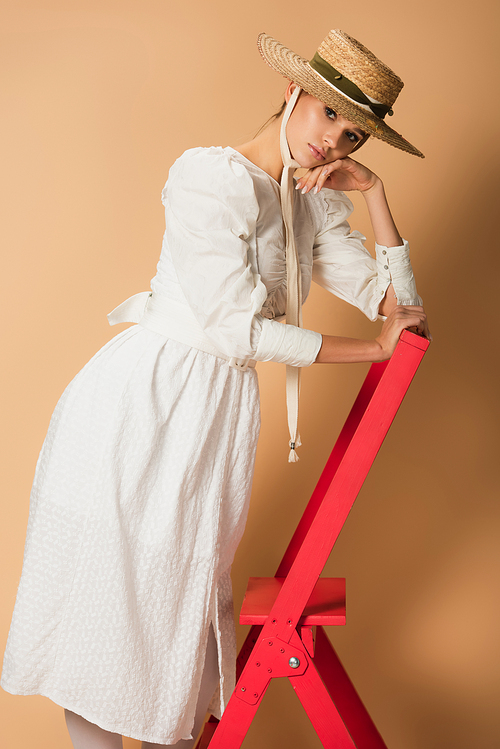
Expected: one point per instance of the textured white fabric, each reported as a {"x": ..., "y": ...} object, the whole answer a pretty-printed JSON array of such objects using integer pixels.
[
  {"x": 224, "y": 236},
  {"x": 393, "y": 264},
  {"x": 171, "y": 319},
  {"x": 219, "y": 206},
  {"x": 141, "y": 489},
  {"x": 345, "y": 267},
  {"x": 138, "y": 504}
]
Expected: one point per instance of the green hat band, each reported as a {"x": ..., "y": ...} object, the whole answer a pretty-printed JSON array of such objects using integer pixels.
[{"x": 347, "y": 87}]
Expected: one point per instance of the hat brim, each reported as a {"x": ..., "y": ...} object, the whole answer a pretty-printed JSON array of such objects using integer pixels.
[{"x": 298, "y": 70}]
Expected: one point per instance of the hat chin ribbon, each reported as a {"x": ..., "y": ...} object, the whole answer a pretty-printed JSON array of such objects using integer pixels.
[{"x": 293, "y": 276}]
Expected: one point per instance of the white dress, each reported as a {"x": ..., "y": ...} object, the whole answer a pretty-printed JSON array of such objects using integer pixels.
[{"x": 142, "y": 486}]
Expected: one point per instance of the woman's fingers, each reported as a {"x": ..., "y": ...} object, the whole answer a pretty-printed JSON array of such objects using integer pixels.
[
  {"x": 410, "y": 316},
  {"x": 341, "y": 174},
  {"x": 309, "y": 180},
  {"x": 421, "y": 327},
  {"x": 327, "y": 171},
  {"x": 425, "y": 331},
  {"x": 315, "y": 178},
  {"x": 401, "y": 318}
]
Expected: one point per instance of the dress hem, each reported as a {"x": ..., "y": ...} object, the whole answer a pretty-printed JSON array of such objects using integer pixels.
[{"x": 61, "y": 702}]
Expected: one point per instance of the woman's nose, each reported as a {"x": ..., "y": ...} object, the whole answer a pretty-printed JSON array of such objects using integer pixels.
[{"x": 332, "y": 136}]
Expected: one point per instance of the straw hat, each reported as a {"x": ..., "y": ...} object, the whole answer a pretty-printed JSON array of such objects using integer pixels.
[{"x": 347, "y": 77}]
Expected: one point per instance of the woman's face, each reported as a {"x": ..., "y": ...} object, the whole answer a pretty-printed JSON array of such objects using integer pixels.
[{"x": 316, "y": 134}]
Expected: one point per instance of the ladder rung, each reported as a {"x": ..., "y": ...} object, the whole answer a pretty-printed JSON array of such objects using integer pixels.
[{"x": 326, "y": 604}]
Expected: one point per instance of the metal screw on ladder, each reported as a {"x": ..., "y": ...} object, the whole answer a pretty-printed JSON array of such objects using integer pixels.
[{"x": 294, "y": 662}]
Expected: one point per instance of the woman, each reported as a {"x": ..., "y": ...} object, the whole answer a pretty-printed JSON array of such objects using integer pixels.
[{"x": 124, "y": 612}]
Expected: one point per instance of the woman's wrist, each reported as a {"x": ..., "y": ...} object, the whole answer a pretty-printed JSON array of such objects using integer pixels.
[
  {"x": 384, "y": 228},
  {"x": 340, "y": 350},
  {"x": 376, "y": 188}
]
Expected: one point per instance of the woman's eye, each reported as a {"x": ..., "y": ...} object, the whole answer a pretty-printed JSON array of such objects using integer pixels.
[
  {"x": 330, "y": 113},
  {"x": 352, "y": 137}
]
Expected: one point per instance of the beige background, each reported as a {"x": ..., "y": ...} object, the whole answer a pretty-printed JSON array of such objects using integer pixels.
[{"x": 98, "y": 99}]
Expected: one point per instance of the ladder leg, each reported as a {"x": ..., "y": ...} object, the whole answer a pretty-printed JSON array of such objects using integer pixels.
[
  {"x": 246, "y": 648},
  {"x": 234, "y": 724},
  {"x": 321, "y": 710},
  {"x": 342, "y": 692}
]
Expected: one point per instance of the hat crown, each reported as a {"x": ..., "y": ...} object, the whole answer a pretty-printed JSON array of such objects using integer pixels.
[{"x": 359, "y": 65}]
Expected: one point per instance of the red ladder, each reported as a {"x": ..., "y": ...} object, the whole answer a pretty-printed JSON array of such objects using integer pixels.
[{"x": 283, "y": 610}]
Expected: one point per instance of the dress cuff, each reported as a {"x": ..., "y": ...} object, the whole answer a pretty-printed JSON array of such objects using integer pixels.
[
  {"x": 287, "y": 344},
  {"x": 394, "y": 266}
]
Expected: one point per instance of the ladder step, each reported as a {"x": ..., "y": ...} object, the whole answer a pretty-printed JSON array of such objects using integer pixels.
[{"x": 326, "y": 604}]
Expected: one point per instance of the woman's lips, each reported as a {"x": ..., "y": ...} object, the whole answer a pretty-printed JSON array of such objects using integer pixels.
[{"x": 318, "y": 153}]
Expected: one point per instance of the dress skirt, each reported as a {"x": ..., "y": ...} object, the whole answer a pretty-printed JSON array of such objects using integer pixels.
[{"x": 139, "y": 501}]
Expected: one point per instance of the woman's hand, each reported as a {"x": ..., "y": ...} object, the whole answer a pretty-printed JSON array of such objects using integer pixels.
[
  {"x": 342, "y": 174},
  {"x": 401, "y": 318},
  {"x": 336, "y": 349}
]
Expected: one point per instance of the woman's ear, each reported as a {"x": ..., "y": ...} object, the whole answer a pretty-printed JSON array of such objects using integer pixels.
[{"x": 289, "y": 90}]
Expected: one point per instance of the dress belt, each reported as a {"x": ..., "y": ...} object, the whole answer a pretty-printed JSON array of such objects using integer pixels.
[{"x": 173, "y": 320}]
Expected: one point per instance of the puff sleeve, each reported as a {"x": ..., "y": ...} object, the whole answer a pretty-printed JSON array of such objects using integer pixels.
[
  {"x": 343, "y": 265},
  {"x": 211, "y": 215}
]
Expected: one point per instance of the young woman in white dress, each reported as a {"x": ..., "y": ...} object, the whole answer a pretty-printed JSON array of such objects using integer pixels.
[{"x": 124, "y": 611}]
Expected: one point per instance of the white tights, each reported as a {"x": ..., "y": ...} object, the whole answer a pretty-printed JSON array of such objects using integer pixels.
[{"x": 85, "y": 735}]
